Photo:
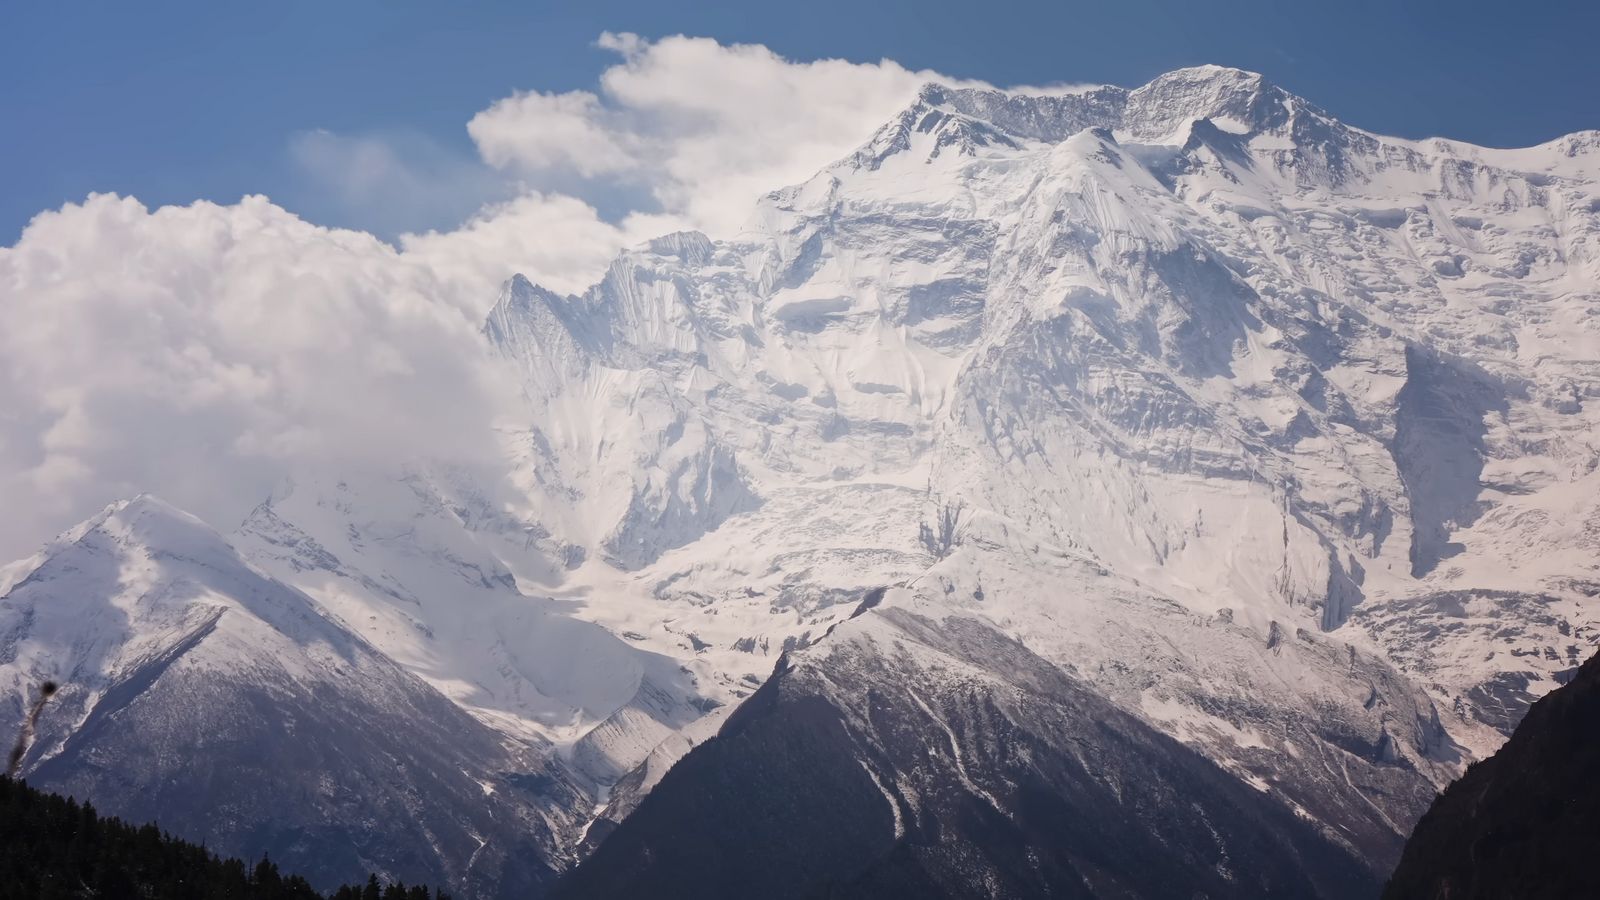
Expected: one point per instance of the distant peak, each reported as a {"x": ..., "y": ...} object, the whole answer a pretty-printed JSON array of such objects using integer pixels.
[
  {"x": 1216, "y": 83},
  {"x": 1210, "y": 72},
  {"x": 980, "y": 116},
  {"x": 139, "y": 505},
  {"x": 1206, "y": 81},
  {"x": 519, "y": 290},
  {"x": 933, "y": 93},
  {"x": 520, "y": 298},
  {"x": 520, "y": 285},
  {"x": 1208, "y": 92},
  {"x": 689, "y": 247},
  {"x": 148, "y": 502},
  {"x": 142, "y": 516}
]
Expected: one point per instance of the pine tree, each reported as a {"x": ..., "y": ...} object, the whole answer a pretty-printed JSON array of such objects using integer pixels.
[
  {"x": 53, "y": 848},
  {"x": 266, "y": 874}
]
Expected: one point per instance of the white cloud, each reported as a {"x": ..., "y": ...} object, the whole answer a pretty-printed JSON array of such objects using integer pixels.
[
  {"x": 707, "y": 128},
  {"x": 203, "y": 352},
  {"x": 556, "y": 240},
  {"x": 552, "y": 131},
  {"x": 200, "y": 352}
]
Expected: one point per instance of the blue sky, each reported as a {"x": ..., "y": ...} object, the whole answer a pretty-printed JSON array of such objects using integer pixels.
[{"x": 173, "y": 101}]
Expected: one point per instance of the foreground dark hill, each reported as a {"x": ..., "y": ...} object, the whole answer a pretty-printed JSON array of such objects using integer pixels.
[
  {"x": 1523, "y": 823},
  {"x": 905, "y": 757},
  {"x": 52, "y": 847}
]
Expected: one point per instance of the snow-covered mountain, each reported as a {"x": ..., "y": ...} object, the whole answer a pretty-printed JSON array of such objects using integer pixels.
[
  {"x": 1279, "y": 437},
  {"x": 197, "y": 691}
]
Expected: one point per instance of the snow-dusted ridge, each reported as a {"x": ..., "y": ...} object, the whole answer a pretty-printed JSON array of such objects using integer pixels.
[
  {"x": 1279, "y": 435},
  {"x": 197, "y": 690}
]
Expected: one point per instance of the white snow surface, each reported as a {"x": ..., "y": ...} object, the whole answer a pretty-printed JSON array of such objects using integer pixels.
[
  {"x": 1194, "y": 390},
  {"x": 140, "y": 586}
]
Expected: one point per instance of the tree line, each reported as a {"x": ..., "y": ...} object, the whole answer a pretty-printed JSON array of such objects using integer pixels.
[{"x": 55, "y": 848}]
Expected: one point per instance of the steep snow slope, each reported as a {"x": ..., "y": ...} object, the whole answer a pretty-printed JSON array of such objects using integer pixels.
[
  {"x": 202, "y": 694},
  {"x": 413, "y": 563}
]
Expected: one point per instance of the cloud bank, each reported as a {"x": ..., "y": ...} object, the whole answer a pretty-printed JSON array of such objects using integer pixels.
[
  {"x": 200, "y": 351},
  {"x": 705, "y": 128},
  {"x": 204, "y": 352}
]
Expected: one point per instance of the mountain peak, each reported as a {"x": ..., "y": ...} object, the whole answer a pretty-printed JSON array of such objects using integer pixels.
[
  {"x": 520, "y": 294},
  {"x": 1211, "y": 72},
  {"x": 933, "y": 93},
  {"x": 692, "y": 248},
  {"x": 972, "y": 117},
  {"x": 147, "y": 521},
  {"x": 135, "y": 514},
  {"x": 1207, "y": 92},
  {"x": 145, "y": 503}
]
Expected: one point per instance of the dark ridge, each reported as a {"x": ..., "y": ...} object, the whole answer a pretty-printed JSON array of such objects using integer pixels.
[
  {"x": 1523, "y": 823},
  {"x": 54, "y": 847},
  {"x": 873, "y": 598},
  {"x": 838, "y": 779}
]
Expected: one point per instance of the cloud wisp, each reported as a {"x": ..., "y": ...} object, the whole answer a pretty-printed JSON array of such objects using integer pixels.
[
  {"x": 390, "y": 183},
  {"x": 704, "y": 128}
]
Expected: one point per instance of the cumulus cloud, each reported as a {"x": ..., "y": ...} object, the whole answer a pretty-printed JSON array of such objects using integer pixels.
[
  {"x": 553, "y": 131},
  {"x": 204, "y": 352},
  {"x": 705, "y": 127},
  {"x": 558, "y": 241},
  {"x": 201, "y": 352}
]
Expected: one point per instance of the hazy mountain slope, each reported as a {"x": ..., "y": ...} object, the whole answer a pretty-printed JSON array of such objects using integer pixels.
[
  {"x": 418, "y": 564},
  {"x": 1524, "y": 822},
  {"x": 197, "y": 692}
]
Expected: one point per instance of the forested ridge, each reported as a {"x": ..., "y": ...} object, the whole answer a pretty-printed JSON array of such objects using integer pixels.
[
  {"x": 53, "y": 848},
  {"x": 1523, "y": 823}
]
